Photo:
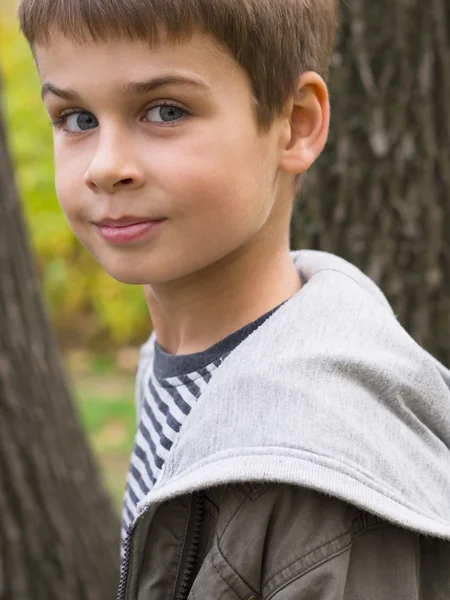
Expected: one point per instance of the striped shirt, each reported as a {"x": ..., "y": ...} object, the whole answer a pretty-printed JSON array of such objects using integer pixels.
[{"x": 168, "y": 387}]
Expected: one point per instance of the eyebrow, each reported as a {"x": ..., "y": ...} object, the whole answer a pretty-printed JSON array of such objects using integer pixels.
[{"x": 131, "y": 87}]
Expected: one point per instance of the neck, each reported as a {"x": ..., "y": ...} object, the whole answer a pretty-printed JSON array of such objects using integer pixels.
[{"x": 192, "y": 315}]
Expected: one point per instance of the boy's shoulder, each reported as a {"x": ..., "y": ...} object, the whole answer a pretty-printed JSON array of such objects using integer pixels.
[
  {"x": 311, "y": 263},
  {"x": 305, "y": 543}
]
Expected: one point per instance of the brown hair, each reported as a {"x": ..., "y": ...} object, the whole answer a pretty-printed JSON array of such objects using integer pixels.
[{"x": 274, "y": 41}]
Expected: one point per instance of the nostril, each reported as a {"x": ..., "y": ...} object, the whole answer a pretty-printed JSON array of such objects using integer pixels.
[{"x": 127, "y": 180}]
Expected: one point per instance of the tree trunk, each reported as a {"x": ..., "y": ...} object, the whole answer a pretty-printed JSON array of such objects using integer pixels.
[
  {"x": 59, "y": 535},
  {"x": 380, "y": 194}
]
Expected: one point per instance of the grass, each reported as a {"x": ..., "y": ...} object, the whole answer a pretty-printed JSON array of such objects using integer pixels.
[{"x": 105, "y": 399}]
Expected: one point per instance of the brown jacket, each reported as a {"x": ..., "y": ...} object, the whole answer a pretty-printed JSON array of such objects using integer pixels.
[{"x": 279, "y": 542}]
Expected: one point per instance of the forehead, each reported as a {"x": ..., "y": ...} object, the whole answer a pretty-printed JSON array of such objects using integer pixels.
[{"x": 116, "y": 61}]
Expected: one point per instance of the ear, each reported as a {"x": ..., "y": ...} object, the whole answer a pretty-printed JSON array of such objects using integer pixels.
[{"x": 307, "y": 120}]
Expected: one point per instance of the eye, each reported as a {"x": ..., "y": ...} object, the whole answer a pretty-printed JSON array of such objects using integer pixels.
[
  {"x": 165, "y": 114},
  {"x": 79, "y": 121}
]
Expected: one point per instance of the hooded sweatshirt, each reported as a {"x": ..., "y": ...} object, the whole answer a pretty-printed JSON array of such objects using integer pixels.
[{"x": 331, "y": 394}]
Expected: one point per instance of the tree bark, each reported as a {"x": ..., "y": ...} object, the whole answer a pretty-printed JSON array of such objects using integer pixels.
[
  {"x": 380, "y": 194},
  {"x": 59, "y": 534}
]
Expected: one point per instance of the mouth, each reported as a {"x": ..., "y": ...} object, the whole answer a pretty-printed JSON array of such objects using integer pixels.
[{"x": 127, "y": 229}]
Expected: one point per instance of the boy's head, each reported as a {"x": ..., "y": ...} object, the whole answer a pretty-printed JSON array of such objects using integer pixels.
[{"x": 197, "y": 114}]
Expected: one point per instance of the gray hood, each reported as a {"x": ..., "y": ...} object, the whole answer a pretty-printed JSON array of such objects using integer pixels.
[{"x": 330, "y": 393}]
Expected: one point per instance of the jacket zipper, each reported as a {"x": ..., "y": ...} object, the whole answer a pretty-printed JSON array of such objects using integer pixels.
[
  {"x": 125, "y": 565},
  {"x": 190, "y": 550}
]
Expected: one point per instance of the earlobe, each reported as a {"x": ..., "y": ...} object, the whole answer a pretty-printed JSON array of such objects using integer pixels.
[{"x": 309, "y": 121}]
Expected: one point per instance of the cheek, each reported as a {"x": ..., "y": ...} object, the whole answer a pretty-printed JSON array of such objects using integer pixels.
[
  {"x": 220, "y": 198},
  {"x": 63, "y": 185},
  {"x": 209, "y": 190},
  {"x": 69, "y": 179},
  {"x": 66, "y": 193},
  {"x": 214, "y": 171}
]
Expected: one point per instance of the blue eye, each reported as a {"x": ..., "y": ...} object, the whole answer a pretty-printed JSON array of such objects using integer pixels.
[
  {"x": 165, "y": 114},
  {"x": 80, "y": 121}
]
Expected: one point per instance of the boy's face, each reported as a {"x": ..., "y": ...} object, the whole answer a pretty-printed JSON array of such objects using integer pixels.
[{"x": 160, "y": 167}]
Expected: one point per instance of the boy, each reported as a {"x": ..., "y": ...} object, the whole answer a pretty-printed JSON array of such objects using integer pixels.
[{"x": 293, "y": 440}]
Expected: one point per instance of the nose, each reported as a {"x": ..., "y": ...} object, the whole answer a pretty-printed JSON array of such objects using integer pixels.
[{"x": 114, "y": 166}]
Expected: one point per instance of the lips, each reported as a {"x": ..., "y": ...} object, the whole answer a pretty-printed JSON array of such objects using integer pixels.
[
  {"x": 126, "y": 221},
  {"x": 127, "y": 230}
]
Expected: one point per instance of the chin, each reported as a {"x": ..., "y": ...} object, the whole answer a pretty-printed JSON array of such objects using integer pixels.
[
  {"x": 133, "y": 276},
  {"x": 134, "y": 270},
  {"x": 128, "y": 277},
  {"x": 122, "y": 269}
]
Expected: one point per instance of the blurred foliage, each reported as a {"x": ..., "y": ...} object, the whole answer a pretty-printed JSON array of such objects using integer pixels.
[
  {"x": 106, "y": 409},
  {"x": 87, "y": 306}
]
